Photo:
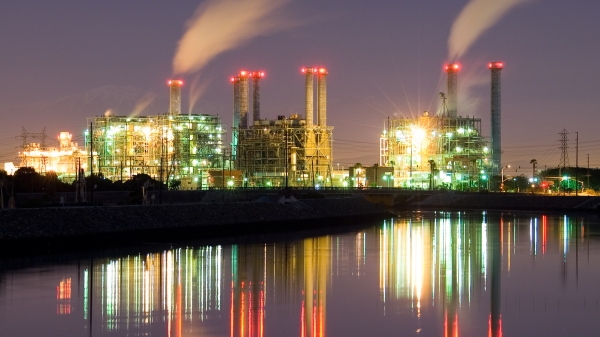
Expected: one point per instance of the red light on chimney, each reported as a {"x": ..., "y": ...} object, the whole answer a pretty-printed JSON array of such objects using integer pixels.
[
  {"x": 453, "y": 67},
  {"x": 496, "y": 65},
  {"x": 175, "y": 82}
]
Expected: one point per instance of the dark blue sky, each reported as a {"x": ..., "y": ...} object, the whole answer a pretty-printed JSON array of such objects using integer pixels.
[{"x": 383, "y": 57}]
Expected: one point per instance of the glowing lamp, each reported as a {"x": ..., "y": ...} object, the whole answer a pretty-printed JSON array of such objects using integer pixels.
[{"x": 496, "y": 65}]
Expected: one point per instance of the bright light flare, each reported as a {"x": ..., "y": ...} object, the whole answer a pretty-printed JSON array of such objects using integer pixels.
[
  {"x": 175, "y": 82},
  {"x": 496, "y": 65}
]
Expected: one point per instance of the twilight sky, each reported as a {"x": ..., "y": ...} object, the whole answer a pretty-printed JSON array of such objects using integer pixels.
[{"x": 63, "y": 61}]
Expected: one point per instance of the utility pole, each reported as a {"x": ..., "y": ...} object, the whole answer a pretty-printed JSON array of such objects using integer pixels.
[
  {"x": 588, "y": 171},
  {"x": 576, "y": 163},
  {"x": 92, "y": 163},
  {"x": 564, "y": 155}
]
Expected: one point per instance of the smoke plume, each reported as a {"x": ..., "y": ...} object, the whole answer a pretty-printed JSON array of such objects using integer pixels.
[
  {"x": 477, "y": 17},
  {"x": 197, "y": 89},
  {"x": 142, "y": 104},
  {"x": 221, "y": 25}
]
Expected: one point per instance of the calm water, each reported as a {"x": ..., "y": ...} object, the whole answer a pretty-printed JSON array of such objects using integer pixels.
[{"x": 419, "y": 274}]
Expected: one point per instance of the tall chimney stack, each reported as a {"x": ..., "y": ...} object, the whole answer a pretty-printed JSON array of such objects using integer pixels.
[
  {"x": 256, "y": 76},
  {"x": 452, "y": 70},
  {"x": 236, "y": 116},
  {"x": 175, "y": 96},
  {"x": 244, "y": 88},
  {"x": 322, "y": 97},
  {"x": 309, "y": 95},
  {"x": 496, "y": 67}
]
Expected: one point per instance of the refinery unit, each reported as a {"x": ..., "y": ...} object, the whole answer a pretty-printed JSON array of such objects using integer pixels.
[
  {"x": 169, "y": 147},
  {"x": 64, "y": 159},
  {"x": 444, "y": 150},
  {"x": 288, "y": 151}
]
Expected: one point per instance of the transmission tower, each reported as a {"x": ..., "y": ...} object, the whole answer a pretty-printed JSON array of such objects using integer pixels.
[
  {"x": 32, "y": 135},
  {"x": 35, "y": 135},
  {"x": 564, "y": 154}
]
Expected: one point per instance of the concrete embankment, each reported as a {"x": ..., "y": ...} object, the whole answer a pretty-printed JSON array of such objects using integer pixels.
[
  {"x": 505, "y": 201},
  {"x": 77, "y": 227}
]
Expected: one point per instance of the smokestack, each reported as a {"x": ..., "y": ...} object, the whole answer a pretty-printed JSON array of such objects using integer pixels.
[
  {"x": 452, "y": 70},
  {"x": 244, "y": 99},
  {"x": 236, "y": 116},
  {"x": 236, "y": 101},
  {"x": 256, "y": 76},
  {"x": 309, "y": 95},
  {"x": 322, "y": 97},
  {"x": 496, "y": 67},
  {"x": 175, "y": 96}
]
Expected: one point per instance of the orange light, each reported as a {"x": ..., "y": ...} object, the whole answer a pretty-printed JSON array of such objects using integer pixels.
[{"x": 243, "y": 73}]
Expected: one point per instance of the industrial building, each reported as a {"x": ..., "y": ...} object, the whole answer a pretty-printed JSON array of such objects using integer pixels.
[
  {"x": 63, "y": 159},
  {"x": 444, "y": 150},
  {"x": 176, "y": 149},
  {"x": 288, "y": 151}
]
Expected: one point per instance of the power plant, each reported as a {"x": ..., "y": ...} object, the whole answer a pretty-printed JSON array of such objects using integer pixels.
[
  {"x": 288, "y": 151},
  {"x": 171, "y": 147},
  {"x": 190, "y": 151},
  {"x": 445, "y": 150}
]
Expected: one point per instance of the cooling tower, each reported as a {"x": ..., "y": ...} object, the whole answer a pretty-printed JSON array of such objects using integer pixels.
[
  {"x": 175, "y": 96},
  {"x": 452, "y": 70},
  {"x": 496, "y": 67}
]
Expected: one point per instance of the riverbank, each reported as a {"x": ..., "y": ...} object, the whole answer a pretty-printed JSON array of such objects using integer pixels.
[
  {"x": 504, "y": 201},
  {"x": 64, "y": 228}
]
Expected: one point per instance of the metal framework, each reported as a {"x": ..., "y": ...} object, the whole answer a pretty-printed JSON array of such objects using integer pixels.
[
  {"x": 285, "y": 152},
  {"x": 167, "y": 147},
  {"x": 428, "y": 152}
]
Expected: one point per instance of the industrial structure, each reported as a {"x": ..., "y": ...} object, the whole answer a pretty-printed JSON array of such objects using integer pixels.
[
  {"x": 496, "y": 124},
  {"x": 288, "y": 151},
  {"x": 172, "y": 148},
  {"x": 64, "y": 159},
  {"x": 445, "y": 150}
]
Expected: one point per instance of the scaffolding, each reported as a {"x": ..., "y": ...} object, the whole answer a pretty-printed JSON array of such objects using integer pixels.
[
  {"x": 175, "y": 149},
  {"x": 439, "y": 151},
  {"x": 285, "y": 152}
]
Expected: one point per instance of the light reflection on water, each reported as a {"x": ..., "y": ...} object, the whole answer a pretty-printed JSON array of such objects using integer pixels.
[{"x": 422, "y": 274}]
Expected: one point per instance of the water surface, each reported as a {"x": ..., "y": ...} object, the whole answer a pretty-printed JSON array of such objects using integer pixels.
[{"x": 418, "y": 274}]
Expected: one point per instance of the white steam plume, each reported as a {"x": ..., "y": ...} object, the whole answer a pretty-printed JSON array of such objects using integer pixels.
[
  {"x": 142, "y": 104},
  {"x": 477, "y": 17},
  {"x": 197, "y": 89},
  {"x": 221, "y": 25}
]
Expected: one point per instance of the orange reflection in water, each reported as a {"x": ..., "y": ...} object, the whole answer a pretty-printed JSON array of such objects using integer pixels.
[{"x": 63, "y": 297}]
